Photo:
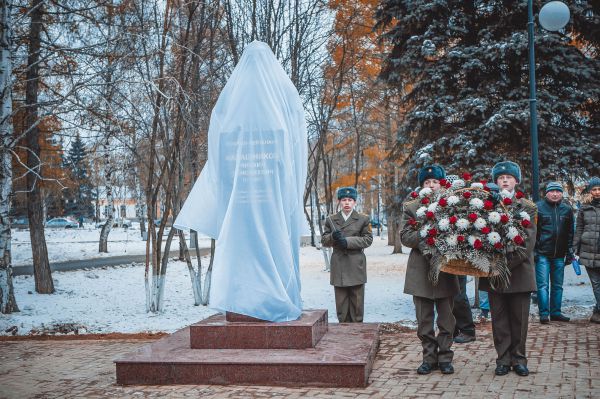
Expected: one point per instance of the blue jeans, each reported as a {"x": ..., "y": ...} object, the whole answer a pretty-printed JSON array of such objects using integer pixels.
[
  {"x": 552, "y": 269},
  {"x": 484, "y": 303}
]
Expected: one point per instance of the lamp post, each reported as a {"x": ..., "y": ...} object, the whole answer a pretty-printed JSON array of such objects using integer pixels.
[{"x": 553, "y": 16}]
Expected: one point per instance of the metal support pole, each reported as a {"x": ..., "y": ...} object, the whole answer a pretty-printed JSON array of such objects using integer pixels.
[{"x": 533, "y": 130}]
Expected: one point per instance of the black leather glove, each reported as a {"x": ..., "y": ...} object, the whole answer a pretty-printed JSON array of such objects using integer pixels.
[
  {"x": 342, "y": 242},
  {"x": 494, "y": 193},
  {"x": 339, "y": 239}
]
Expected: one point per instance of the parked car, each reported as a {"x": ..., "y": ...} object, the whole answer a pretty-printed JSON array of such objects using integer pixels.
[
  {"x": 20, "y": 223},
  {"x": 124, "y": 223},
  {"x": 61, "y": 223}
]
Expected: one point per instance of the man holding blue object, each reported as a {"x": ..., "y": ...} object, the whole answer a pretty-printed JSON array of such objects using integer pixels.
[
  {"x": 349, "y": 233},
  {"x": 553, "y": 249}
]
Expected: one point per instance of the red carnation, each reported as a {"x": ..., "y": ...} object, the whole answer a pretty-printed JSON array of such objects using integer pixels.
[
  {"x": 487, "y": 204},
  {"x": 477, "y": 244},
  {"x": 432, "y": 233},
  {"x": 484, "y": 182},
  {"x": 443, "y": 182},
  {"x": 412, "y": 222},
  {"x": 507, "y": 201},
  {"x": 425, "y": 201},
  {"x": 430, "y": 241},
  {"x": 519, "y": 194},
  {"x": 504, "y": 218},
  {"x": 518, "y": 240},
  {"x": 414, "y": 194},
  {"x": 486, "y": 188},
  {"x": 486, "y": 230},
  {"x": 430, "y": 215},
  {"x": 525, "y": 223},
  {"x": 460, "y": 238},
  {"x": 498, "y": 245},
  {"x": 467, "y": 176},
  {"x": 448, "y": 184},
  {"x": 452, "y": 219},
  {"x": 472, "y": 217},
  {"x": 443, "y": 202},
  {"x": 467, "y": 194}
]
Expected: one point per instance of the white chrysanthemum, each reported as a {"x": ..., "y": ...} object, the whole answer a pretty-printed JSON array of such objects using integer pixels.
[
  {"x": 494, "y": 217},
  {"x": 476, "y": 203},
  {"x": 512, "y": 232},
  {"x": 444, "y": 224},
  {"x": 462, "y": 224},
  {"x": 421, "y": 211},
  {"x": 505, "y": 193},
  {"x": 472, "y": 239},
  {"x": 453, "y": 200},
  {"x": 432, "y": 207},
  {"x": 425, "y": 191},
  {"x": 524, "y": 215},
  {"x": 477, "y": 185},
  {"x": 480, "y": 223},
  {"x": 452, "y": 240},
  {"x": 493, "y": 237},
  {"x": 458, "y": 183},
  {"x": 424, "y": 230}
]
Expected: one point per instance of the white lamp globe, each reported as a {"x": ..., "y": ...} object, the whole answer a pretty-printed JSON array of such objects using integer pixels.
[{"x": 554, "y": 15}]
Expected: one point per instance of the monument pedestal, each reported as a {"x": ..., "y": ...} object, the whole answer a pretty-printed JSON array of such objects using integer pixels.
[{"x": 304, "y": 352}]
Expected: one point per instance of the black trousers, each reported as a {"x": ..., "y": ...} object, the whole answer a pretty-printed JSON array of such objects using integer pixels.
[
  {"x": 462, "y": 310},
  {"x": 510, "y": 320}
]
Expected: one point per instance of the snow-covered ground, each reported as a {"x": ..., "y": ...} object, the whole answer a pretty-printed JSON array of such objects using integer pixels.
[
  {"x": 76, "y": 244},
  {"x": 112, "y": 299}
]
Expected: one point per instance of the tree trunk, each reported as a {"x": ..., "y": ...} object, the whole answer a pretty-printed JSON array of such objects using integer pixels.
[
  {"x": 397, "y": 243},
  {"x": 110, "y": 203},
  {"x": 41, "y": 265},
  {"x": 8, "y": 303}
]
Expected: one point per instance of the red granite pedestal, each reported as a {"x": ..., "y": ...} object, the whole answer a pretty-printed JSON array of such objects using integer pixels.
[{"x": 305, "y": 352}]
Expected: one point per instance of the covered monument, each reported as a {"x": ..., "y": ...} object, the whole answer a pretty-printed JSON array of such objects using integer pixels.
[{"x": 249, "y": 196}]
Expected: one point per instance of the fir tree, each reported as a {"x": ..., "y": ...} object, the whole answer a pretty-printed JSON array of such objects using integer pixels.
[
  {"x": 79, "y": 197},
  {"x": 462, "y": 70}
]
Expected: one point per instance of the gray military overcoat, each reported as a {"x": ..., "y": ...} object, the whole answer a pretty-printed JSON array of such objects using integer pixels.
[
  {"x": 348, "y": 266},
  {"x": 417, "y": 281},
  {"x": 522, "y": 267}
]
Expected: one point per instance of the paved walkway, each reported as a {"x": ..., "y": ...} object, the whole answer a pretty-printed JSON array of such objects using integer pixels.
[
  {"x": 564, "y": 360},
  {"x": 99, "y": 262}
]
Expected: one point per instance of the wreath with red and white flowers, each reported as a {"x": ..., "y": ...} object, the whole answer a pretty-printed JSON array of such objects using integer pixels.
[{"x": 471, "y": 224}]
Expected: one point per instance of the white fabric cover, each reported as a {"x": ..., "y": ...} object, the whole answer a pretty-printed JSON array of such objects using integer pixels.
[{"x": 249, "y": 196}]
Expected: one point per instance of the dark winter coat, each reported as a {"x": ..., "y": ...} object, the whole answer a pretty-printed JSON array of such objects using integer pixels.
[
  {"x": 555, "y": 229},
  {"x": 417, "y": 281},
  {"x": 587, "y": 235},
  {"x": 348, "y": 265},
  {"x": 521, "y": 265}
]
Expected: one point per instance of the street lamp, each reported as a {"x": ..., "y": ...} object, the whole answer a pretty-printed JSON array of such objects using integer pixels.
[{"x": 553, "y": 16}]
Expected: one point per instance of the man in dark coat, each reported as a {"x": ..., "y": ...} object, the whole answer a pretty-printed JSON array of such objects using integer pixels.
[
  {"x": 426, "y": 296},
  {"x": 509, "y": 305},
  {"x": 553, "y": 249},
  {"x": 349, "y": 233},
  {"x": 587, "y": 240}
]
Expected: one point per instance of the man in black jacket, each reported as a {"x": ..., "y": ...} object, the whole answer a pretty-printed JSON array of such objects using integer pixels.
[{"x": 553, "y": 249}]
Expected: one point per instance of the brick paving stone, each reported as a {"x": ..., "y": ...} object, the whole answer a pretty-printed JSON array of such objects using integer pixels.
[{"x": 564, "y": 360}]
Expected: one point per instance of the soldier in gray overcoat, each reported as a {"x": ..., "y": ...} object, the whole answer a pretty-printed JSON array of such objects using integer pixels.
[
  {"x": 349, "y": 233},
  {"x": 509, "y": 305},
  {"x": 426, "y": 296}
]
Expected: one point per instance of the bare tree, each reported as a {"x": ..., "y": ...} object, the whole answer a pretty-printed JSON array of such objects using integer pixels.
[
  {"x": 8, "y": 303},
  {"x": 41, "y": 265}
]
